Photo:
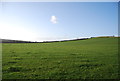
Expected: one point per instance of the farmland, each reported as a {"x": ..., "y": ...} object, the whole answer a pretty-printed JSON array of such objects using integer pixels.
[{"x": 95, "y": 58}]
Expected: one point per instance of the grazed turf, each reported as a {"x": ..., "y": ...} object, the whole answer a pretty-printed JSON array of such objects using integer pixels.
[{"x": 94, "y": 58}]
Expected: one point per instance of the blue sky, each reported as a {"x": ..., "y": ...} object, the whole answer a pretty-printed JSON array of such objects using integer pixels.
[{"x": 41, "y": 21}]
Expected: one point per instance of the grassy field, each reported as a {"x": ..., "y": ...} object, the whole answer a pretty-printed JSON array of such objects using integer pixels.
[{"x": 95, "y": 58}]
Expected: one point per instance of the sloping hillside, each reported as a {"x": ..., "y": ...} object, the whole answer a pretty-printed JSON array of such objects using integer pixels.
[{"x": 95, "y": 58}]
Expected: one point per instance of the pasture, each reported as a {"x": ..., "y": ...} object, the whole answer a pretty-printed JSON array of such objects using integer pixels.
[{"x": 95, "y": 58}]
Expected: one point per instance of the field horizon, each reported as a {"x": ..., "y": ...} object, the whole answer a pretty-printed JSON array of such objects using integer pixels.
[{"x": 23, "y": 41}]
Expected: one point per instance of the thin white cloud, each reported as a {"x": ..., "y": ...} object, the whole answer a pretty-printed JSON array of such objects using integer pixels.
[{"x": 53, "y": 19}]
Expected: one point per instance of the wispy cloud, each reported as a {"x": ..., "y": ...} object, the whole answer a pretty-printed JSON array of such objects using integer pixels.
[{"x": 53, "y": 19}]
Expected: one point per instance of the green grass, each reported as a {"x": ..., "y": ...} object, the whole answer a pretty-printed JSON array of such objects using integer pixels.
[{"x": 95, "y": 58}]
